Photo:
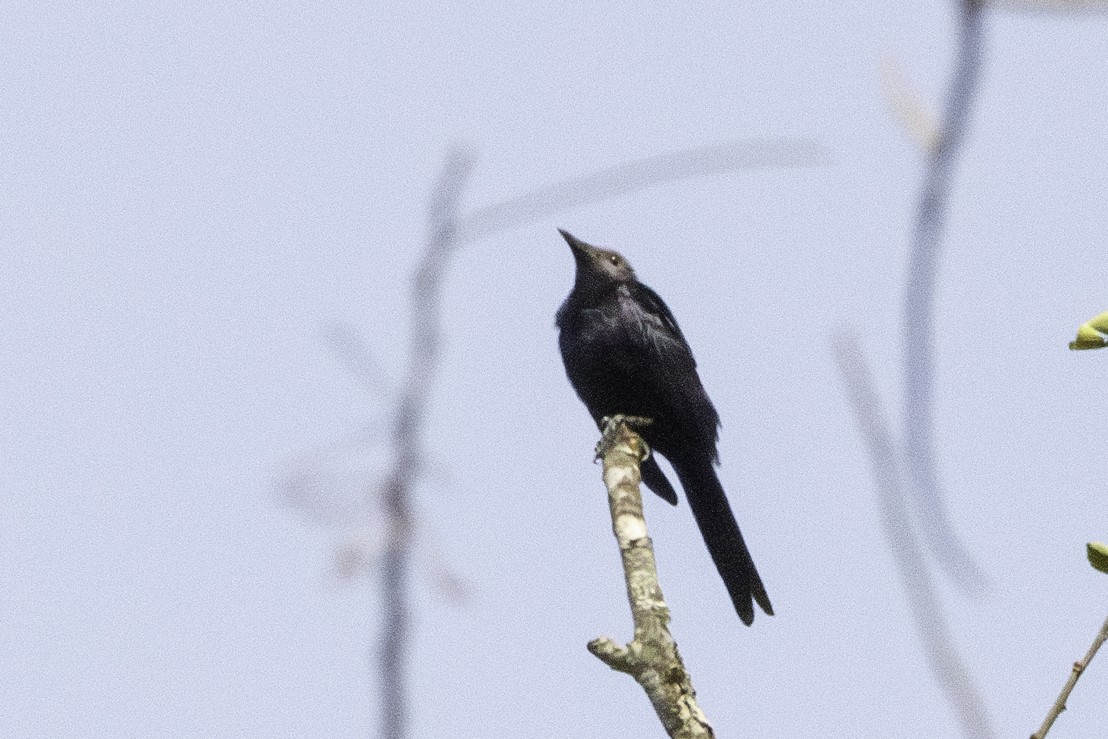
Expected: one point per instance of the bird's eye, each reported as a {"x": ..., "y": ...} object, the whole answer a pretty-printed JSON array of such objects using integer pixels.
[{"x": 614, "y": 260}]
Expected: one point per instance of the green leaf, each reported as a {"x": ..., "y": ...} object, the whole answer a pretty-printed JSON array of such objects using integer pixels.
[
  {"x": 1093, "y": 334},
  {"x": 1098, "y": 555}
]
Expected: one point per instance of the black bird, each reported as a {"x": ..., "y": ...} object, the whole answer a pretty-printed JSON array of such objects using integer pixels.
[{"x": 625, "y": 354}]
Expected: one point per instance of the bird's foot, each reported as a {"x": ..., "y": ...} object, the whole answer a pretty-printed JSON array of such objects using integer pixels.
[{"x": 610, "y": 425}]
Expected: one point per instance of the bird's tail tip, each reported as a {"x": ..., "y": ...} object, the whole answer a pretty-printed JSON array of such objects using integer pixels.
[{"x": 745, "y": 606}]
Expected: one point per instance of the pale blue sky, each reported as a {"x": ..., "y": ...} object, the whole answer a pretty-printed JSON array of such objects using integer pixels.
[{"x": 190, "y": 195}]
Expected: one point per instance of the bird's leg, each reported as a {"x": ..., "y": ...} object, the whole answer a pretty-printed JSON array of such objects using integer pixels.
[{"x": 609, "y": 426}]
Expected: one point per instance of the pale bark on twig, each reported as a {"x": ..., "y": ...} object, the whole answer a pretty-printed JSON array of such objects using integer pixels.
[
  {"x": 651, "y": 657},
  {"x": 1075, "y": 673}
]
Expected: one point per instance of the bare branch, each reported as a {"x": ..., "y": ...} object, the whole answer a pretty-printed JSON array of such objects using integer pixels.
[
  {"x": 946, "y": 664},
  {"x": 1075, "y": 673},
  {"x": 651, "y": 657},
  {"x": 919, "y": 329}
]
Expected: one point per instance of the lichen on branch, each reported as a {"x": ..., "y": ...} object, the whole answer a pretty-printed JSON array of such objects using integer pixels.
[{"x": 651, "y": 657}]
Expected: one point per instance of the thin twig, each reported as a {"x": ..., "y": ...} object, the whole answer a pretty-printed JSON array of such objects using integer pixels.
[
  {"x": 919, "y": 329},
  {"x": 1075, "y": 673},
  {"x": 651, "y": 657},
  {"x": 946, "y": 664}
]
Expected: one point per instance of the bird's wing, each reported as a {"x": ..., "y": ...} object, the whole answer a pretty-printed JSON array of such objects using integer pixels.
[
  {"x": 676, "y": 368},
  {"x": 660, "y": 327}
]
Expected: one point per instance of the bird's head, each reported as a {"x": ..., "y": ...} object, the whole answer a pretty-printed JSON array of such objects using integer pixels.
[{"x": 595, "y": 265}]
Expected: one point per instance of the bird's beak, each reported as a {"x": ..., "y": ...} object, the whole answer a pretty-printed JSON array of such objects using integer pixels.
[{"x": 580, "y": 248}]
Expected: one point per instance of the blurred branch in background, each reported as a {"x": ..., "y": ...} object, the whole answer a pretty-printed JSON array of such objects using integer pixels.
[
  {"x": 392, "y": 479},
  {"x": 1051, "y": 6},
  {"x": 907, "y": 106},
  {"x": 919, "y": 330},
  {"x": 946, "y": 663},
  {"x": 348, "y": 344},
  {"x": 651, "y": 657},
  {"x": 407, "y": 442},
  {"x": 942, "y": 144},
  {"x": 623, "y": 179}
]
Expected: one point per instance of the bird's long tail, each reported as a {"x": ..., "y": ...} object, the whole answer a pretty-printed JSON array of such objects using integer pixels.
[{"x": 721, "y": 533}]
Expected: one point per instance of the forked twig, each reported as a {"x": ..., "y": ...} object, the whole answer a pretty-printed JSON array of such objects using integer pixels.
[{"x": 651, "y": 657}]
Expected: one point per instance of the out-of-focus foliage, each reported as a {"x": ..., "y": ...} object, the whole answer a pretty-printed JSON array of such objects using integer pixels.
[
  {"x": 1093, "y": 334},
  {"x": 1098, "y": 555}
]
